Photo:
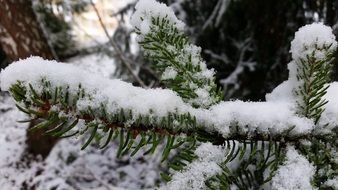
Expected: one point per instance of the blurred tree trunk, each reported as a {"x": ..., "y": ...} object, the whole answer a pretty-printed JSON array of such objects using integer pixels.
[
  {"x": 20, "y": 37},
  {"x": 20, "y": 33}
]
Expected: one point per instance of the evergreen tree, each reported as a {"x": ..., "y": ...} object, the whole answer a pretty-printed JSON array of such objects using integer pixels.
[{"x": 287, "y": 142}]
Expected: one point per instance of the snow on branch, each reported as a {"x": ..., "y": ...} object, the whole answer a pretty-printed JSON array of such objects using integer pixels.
[
  {"x": 301, "y": 111},
  {"x": 310, "y": 74},
  {"x": 179, "y": 62},
  {"x": 147, "y": 10},
  {"x": 197, "y": 172},
  {"x": 166, "y": 109},
  {"x": 296, "y": 166},
  {"x": 163, "y": 108},
  {"x": 316, "y": 39}
]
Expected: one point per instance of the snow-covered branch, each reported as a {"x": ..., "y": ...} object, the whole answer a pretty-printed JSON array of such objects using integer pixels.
[
  {"x": 163, "y": 108},
  {"x": 231, "y": 143},
  {"x": 183, "y": 70}
]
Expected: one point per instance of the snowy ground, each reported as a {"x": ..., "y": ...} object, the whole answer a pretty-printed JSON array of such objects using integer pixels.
[{"x": 67, "y": 167}]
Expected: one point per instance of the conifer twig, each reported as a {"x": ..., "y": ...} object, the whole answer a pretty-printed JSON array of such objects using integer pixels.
[{"x": 217, "y": 138}]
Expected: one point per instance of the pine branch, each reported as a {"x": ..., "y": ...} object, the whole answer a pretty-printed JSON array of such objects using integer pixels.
[
  {"x": 322, "y": 155},
  {"x": 56, "y": 108},
  {"x": 180, "y": 63},
  {"x": 314, "y": 75},
  {"x": 313, "y": 60},
  {"x": 253, "y": 135}
]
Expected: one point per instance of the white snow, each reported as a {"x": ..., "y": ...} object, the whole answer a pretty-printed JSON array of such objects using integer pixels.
[
  {"x": 332, "y": 182},
  {"x": 169, "y": 73},
  {"x": 192, "y": 54},
  {"x": 8, "y": 123},
  {"x": 100, "y": 64},
  {"x": 282, "y": 92},
  {"x": 263, "y": 117},
  {"x": 203, "y": 96},
  {"x": 316, "y": 39},
  {"x": 148, "y": 9},
  {"x": 312, "y": 37},
  {"x": 66, "y": 167},
  {"x": 272, "y": 117},
  {"x": 295, "y": 173},
  {"x": 118, "y": 94},
  {"x": 197, "y": 172},
  {"x": 329, "y": 118},
  {"x": 13, "y": 169},
  {"x": 70, "y": 169}
]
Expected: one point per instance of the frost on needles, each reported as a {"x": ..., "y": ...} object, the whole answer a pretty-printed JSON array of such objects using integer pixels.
[
  {"x": 287, "y": 142},
  {"x": 161, "y": 35}
]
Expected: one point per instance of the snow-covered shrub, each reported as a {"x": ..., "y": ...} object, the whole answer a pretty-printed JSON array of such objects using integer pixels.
[{"x": 287, "y": 142}]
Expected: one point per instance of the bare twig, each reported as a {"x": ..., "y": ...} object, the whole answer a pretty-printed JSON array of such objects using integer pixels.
[
  {"x": 119, "y": 53},
  {"x": 97, "y": 178},
  {"x": 125, "y": 8}
]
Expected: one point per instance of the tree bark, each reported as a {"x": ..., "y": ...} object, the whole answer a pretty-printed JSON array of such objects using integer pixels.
[
  {"x": 21, "y": 37},
  {"x": 20, "y": 33}
]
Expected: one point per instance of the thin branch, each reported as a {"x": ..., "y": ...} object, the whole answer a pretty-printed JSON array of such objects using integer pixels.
[
  {"x": 97, "y": 178},
  {"x": 125, "y": 9},
  {"x": 119, "y": 53}
]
